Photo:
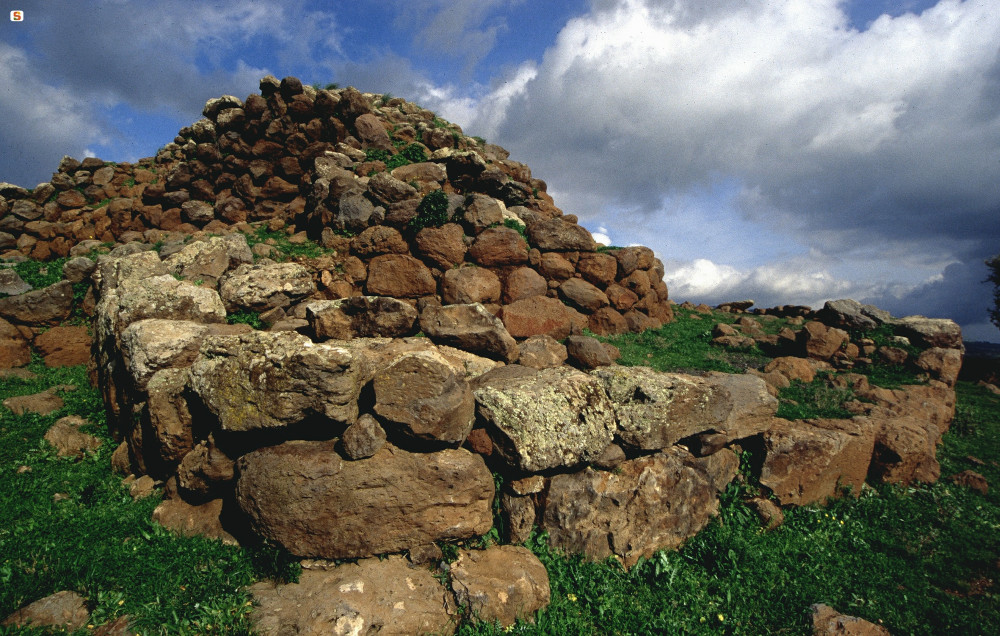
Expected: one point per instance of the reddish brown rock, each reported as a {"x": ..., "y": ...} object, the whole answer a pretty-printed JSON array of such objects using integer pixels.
[
  {"x": 399, "y": 276},
  {"x": 607, "y": 322},
  {"x": 193, "y": 520},
  {"x": 599, "y": 269},
  {"x": 363, "y": 438},
  {"x": 523, "y": 282},
  {"x": 384, "y": 596},
  {"x": 541, "y": 352},
  {"x": 14, "y": 348},
  {"x": 204, "y": 470},
  {"x": 303, "y": 496},
  {"x": 587, "y": 353},
  {"x": 638, "y": 322},
  {"x": 466, "y": 285},
  {"x": 809, "y": 461},
  {"x": 557, "y": 235},
  {"x": 443, "y": 246},
  {"x": 469, "y": 327},
  {"x": 501, "y": 583},
  {"x": 829, "y": 622},
  {"x": 65, "y": 610},
  {"x": 499, "y": 246},
  {"x": 42, "y": 403},
  {"x": 67, "y": 438},
  {"x": 582, "y": 295},
  {"x": 169, "y": 416},
  {"x": 821, "y": 342},
  {"x": 792, "y": 368},
  {"x": 972, "y": 480},
  {"x": 555, "y": 267},
  {"x": 931, "y": 332},
  {"x": 648, "y": 504},
  {"x": 425, "y": 398},
  {"x": 633, "y": 258},
  {"x": 942, "y": 364},
  {"x": 536, "y": 316},
  {"x": 379, "y": 239},
  {"x": 47, "y": 306},
  {"x": 64, "y": 346}
]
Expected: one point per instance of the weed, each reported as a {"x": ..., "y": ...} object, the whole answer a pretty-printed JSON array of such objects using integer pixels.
[
  {"x": 817, "y": 399},
  {"x": 244, "y": 317},
  {"x": 432, "y": 211}
]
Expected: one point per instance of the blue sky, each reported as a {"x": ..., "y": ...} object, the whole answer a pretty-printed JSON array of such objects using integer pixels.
[{"x": 785, "y": 151}]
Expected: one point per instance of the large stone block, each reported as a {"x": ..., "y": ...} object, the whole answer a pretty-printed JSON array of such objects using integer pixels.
[{"x": 305, "y": 497}]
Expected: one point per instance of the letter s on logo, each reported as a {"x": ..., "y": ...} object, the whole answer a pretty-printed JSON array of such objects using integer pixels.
[{"x": 16, "y": 16}]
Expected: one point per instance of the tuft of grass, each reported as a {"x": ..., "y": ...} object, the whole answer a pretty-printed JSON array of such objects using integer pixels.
[
  {"x": 685, "y": 345},
  {"x": 243, "y": 317},
  {"x": 286, "y": 249},
  {"x": 431, "y": 212},
  {"x": 817, "y": 399}
]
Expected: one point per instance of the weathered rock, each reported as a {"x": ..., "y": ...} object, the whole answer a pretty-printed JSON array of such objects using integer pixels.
[
  {"x": 12, "y": 284},
  {"x": 67, "y": 438},
  {"x": 265, "y": 286},
  {"x": 792, "y": 368},
  {"x": 607, "y": 322},
  {"x": 821, "y": 342},
  {"x": 47, "y": 306},
  {"x": 523, "y": 282},
  {"x": 42, "y": 403},
  {"x": 154, "y": 343},
  {"x": 481, "y": 212},
  {"x": 112, "y": 270},
  {"x": 555, "y": 267},
  {"x": 469, "y": 327},
  {"x": 78, "y": 269},
  {"x": 193, "y": 520},
  {"x": 425, "y": 398},
  {"x": 361, "y": 317},
  {"x": 303, "y": 496},
  {"x": 648, "y": 504},
  {"x": 399, "y": 276},
  {"x": 466, "y": 285},
  {"x": 808, "y": 461},
  {"x": 656, "y": 410},
  {"x": 499, "y": 246},
  {"x": 64, "y": 346},
  {"x": 942, "y": 364},
  {"x": 379, "y": 239},
  {"x": 553, "y": 418},
  {"x": 169, "y": 415},
  {"x": 905, "y": 451},
  {"x": 541, "y": 352},
  {"x": 829, "y": 622},
  {"x": 363, "y": 438},
  {"x": 66, "y": 610},
  {"x": 501, "y": 583},
  {"x": 14, "y": 348},
  {"x": 767, "y": 511},
  {"x": 204, "y": 469},
  {"x": 931, "y": 332},
  {"x": 556, "y": 235},
  {"x": 587, "y": 353},
  {"x": 443, "y": 246},
  {"x": 371, "y": 596},
  {"x": 850, "y": 314},
  {"x": 599, "y": 269},
  {"x": 582, "y": 295},
  {"x": 262, "y": 380},
  {"x": 372, "y": 132},
  {"x": 424, "y": 173},
  {"x": 388, "y": 190},
  {"x": 538, "y": 315},
  {"x": 972, "y": 480},
  {"x": 210, "y": 259},
  {"x": 636, "y": 257}
]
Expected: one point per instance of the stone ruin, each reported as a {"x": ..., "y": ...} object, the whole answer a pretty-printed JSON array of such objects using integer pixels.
[{"x": 428, "y": 377}]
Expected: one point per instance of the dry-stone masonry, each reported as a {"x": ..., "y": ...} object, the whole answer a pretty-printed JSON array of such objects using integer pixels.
[{"x": 428, "y": 371}]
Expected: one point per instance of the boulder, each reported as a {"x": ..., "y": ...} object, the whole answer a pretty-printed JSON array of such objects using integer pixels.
[
  {"x": 557, "y": 235},
  {"x": 636, "y": 257},
  {"x": 905, "y": 451},
  {"x": 78, "y": 269},
  {"x": 154, "y": 343},
  {"x": 203, "y": 470},
  {"x": 11, "y": 284},
  {"x": 807, "y": 462},
  {"x": 442, "y": 246},
  {"x": 379, "y": 239},
  {"x": 363, "y": 438},
  {"x": 942, "y": 364},
  {"x": 469, "y": 327},
  {"x": 607, "y": 322},
  {"x": 523, "y": 282},
  {"x": 554, "y": 266},
  {"x": 371, "y": 132},
  {"x": 42, "y": 403},
  {"x": 399, "y": 276},
  {"x": 582, "y": 295},
  {"x": 481, "y": 212},
  {"x": 501, "y": 583},
  {"x": 210, "y": 259},
  {"x": 265, "y": 286},
  {"x": 386, "y": 596},
  {"x": 361, "y": 317},
  {"x": 47, "y": 306},
  {"x": 541, "y": 352},
  {"x": 587, "y": 353},
  {"x": 304, "y": 497},
  {"x": 538, "y": 315},
  {"x": 821, "y": 342},
  {"x": 499, "y": 246},
  {"x": 263, "y": 380},
  {"x": 423, "y": 397},
  {"x": 647, "y": 504},
  {"x": 169, "y": 416},
  {"x": 388, "y": 190},
  {"x": 792, "y": 368},
  {"x": 547, "y": 419},
  {"x": 466, "y": 285},
  {"x": 112, "y": 269},
  {"x": 852, "y": 315},
  {"x": 931, "y": 332},
  {"x": 598, "y": 269}
]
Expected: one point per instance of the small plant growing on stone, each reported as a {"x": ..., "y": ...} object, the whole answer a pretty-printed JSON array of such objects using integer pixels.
[
  {"x": 244, "y": 317},
  {"x": 432, "y": 211}
]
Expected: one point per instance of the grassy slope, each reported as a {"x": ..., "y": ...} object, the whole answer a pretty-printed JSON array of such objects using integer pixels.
[{"x": 922, "y": 559}]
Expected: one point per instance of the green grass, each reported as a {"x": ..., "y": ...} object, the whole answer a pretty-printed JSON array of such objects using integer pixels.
[
  {"x": 685, "y": 345},
  {"x": 244, "y": 317},
  {"x": 286, "y": 249},
  {"x": 100, "y": 543},
  {"x": 817, "y": 399}
]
